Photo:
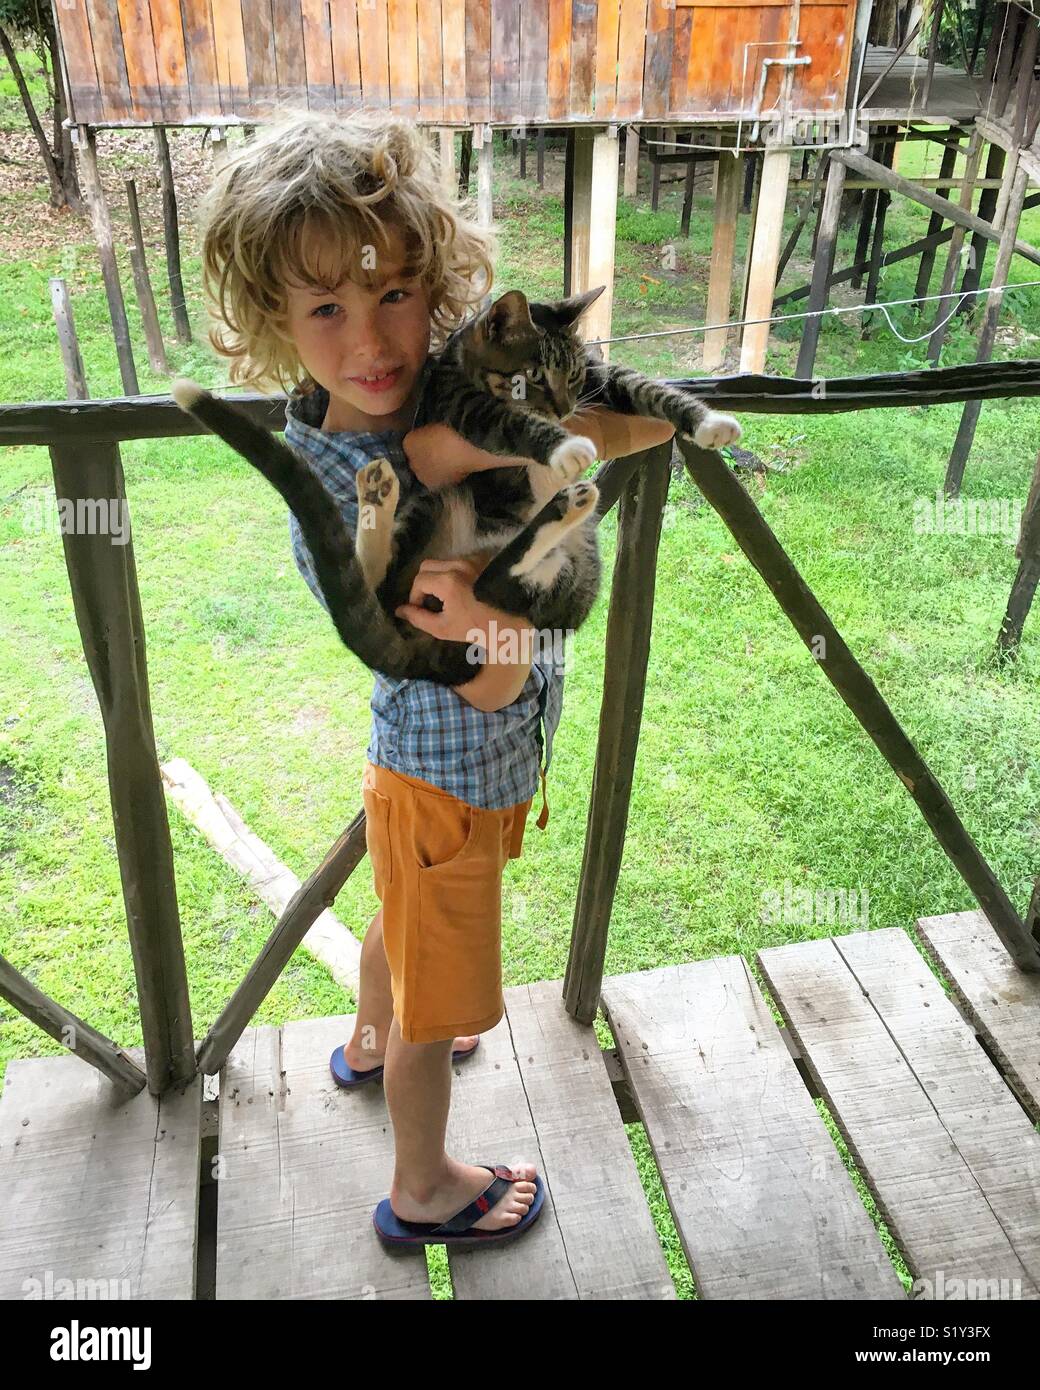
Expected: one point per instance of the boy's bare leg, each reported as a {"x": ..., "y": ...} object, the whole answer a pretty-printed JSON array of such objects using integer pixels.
[
  {"x": 428, "y": 1185},
  {"x": 367, "y": 1047}
]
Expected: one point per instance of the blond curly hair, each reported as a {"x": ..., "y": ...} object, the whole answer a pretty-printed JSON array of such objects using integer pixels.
[{"x": 352, "y": 181}]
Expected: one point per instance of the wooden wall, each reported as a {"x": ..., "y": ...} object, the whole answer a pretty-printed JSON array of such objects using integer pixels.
[{"x": 447, "y": 62}]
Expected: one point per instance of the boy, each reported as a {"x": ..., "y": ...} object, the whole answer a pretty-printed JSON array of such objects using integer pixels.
[{"x": 333, "y": 261}]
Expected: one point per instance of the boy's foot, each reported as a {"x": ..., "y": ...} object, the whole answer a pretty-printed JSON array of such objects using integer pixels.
[
  {"x": 359, "y": 1060},
  {"x": 461, "y": 1184}
]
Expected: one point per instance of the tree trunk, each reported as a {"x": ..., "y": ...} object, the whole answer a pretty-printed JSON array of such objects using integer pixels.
[
  {"x": 64, "y": 153},
  {"x": 60, "y": 171}
]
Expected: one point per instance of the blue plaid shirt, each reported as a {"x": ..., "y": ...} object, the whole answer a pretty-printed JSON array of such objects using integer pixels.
[{"x": 419, "y": 727}]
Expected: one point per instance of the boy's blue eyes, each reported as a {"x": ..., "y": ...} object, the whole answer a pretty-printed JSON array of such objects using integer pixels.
[{"x": 319, "y": 312}]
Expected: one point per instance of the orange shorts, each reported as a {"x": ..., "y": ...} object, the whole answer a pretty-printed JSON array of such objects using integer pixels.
[{"x": 437, "y": 867}]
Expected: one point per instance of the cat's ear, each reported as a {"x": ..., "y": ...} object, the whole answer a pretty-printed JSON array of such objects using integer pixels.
[
  {"x": 569, "y": 310},
  {"x": 509, "y": 317}
]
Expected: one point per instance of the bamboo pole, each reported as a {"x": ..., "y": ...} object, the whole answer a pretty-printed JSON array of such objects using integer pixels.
[
  {"x": 173, "y": 237},
  {"x": 75, "y": 1035},
  {"x": 103, "y": 578},
  {"x": 752, "y": 533},
  {"x": 624, "y": 682}
]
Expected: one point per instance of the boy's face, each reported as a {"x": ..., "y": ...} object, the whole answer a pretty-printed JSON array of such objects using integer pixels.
[{"x": 351, "y": 333}]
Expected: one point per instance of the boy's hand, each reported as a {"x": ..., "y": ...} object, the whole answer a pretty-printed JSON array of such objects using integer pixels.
[
  {"x": 452, "y": 582},
  {"x": 439, "y": 457}
]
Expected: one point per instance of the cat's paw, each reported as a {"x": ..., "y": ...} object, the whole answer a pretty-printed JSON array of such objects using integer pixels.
[
  {"x": 377, "y": 487},
  {"x": 580, "y": 498},
  {"x": 570, "y": 459},
  {"x": 716, "y": 430}
]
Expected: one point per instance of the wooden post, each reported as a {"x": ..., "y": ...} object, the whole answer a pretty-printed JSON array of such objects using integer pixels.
[
  {"x": 102, "y": 224},
  {"x": 752, "y": 533},
  {"x": 1023, "y": 590},
  {"x": 218, "y": 147},
  {"x": 631, "y": 161},
  {"x": 540, "y": 145},
  {"x": 723, "y": 246},
  {"x": 624, "y": 682},
  {"x": 953, "y": 255},
  {"x": 103, "y": 577},
  {"x": 654, "y": 151},
  {"x": 687, "y": 205},
  {"x": 765, "y": 252},
  {"x": 173, "y": 237},
  {"x": 577, "y": 209},
  {"x": 449, "y": 174},
  {"x": 979, "y": 245},
  {"x": 523, "y": 152},
  {"x": 988, "y": 332},
  {"x": 465, "y": 159},
  {"x": 143, "y": 286},
  {"x": 71, "y": 358},
  {"x": 884, "y": 198},
  {"x": 601, "y": 233},
  {"x": 823, "y": 266},
  {"x": 946, "y": 169},
  {"x": 484, "y": 146}
]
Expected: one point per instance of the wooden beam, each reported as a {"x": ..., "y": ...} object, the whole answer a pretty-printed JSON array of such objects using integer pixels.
[
  {"x": 143, "y": 286},
  {"x": 823, "y": 266},
  {"x": 631, "y": 161},
  {"x": 68, "y": 343},
  {"x": 102, "y": 225},
  {"x": 723, "y": 247},
  {"x": 449, "y": 173},
  {"x": 75, "y": 1035},
  {"x": 602, "y": 235},
  {"x": 629, "y": 621},
  {"x": 709, "y": 471},
  {"x": 924, "y": 270},
  {"x": 103, "y": 578},
  {"x": 173, "y": 237},
  {"x": 765, "y": 253}
]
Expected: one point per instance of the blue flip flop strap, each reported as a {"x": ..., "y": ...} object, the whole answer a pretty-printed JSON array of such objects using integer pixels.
[{"x": 481, "y": 1205}]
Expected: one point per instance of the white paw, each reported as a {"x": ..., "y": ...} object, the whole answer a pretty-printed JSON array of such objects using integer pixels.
[
  {"x": 581, "y": 498},
  {"x": 570, "y": 459},
  {"x": 378, "y": 491},
  {"x": 716, "y": 430}
]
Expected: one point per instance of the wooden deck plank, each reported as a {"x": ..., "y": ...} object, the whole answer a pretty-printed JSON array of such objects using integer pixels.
[
  {"x": 538, "y": 1090},
  {"x": 1001, "y": 1000},
  {"x": 761, "y": 1199},
  {"x": 94, "y": 1187},
  {"x": 946, "y": 1149},
  {"x": 303, "y": 1166}
]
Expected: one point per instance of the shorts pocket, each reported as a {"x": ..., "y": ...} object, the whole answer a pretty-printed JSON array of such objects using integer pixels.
[
  {"x": 377, "y": 837},
  {"x": 445, "y": 833}
]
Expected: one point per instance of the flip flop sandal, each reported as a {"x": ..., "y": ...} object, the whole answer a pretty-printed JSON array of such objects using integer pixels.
[
  {"x": 457, "y": 1230},
  {"x": 344, "y": 1075}
]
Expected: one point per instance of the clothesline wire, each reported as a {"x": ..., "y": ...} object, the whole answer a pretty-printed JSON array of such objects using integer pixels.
[{"x": 840, "y": 309}]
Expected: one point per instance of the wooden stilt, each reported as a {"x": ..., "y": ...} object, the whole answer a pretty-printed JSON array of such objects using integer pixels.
[
  {"x": 465, "y": 159},
  {"x": 946, "y": 168},
  {"x": 988, "y": 331},
  {"x": 523, "y": 156},
  {"x": 71, "y": 358},
  {"x": 578, "y": 209},
  {"x": 143, "y": 287},
  {"x": 655, "y": 182},
  {"x": 102, "y": 225},
  {"x": 765, "y": 254},
  {"x": 1024, "y": 588},
  {"x": 631, "y": 161},
  {"x": 953, "y": 256},
  {"x": 484, "y": 146},
  {"x": 687, "y": 205},
  {"x": 449, "y": 174},
  {"x": 602, "y": 231},
  {"x": 823, "y": 265},
  {"x": 218, "y": 147},
  {"x": 540, "y": 148},
  {"x": 979, "y": 244},
  {"x": 173, "y": 237},
  {"x": 752, "y": 163},
  {"x": 723, "y": 247},
  {"x": 624, "y": 681}
]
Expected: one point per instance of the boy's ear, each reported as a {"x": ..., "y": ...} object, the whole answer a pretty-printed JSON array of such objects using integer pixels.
[
  {"x": 569, "y": 310},
  {"x": 509, "y": 317}
]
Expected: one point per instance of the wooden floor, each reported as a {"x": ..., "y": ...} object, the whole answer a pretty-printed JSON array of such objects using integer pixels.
[
  {"x": 952, "y": 98},
  {"x": 939, "y": 1113}
]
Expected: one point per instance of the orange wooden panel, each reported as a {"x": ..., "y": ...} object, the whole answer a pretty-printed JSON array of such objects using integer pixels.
[
  {"x": 607, "y": 29},
  {"x": 230, "y": 47},
  {"x": 346, "y": 56},
  {"x": 375, "y": 63},
  {"x": 559, "y": 58},
  {"x": 135, "y": 22},
  {"x": 403, "y": 48},
  {"x": 657, "y": 66},
  {"x": 631, "y": 54},
  {"x": 478, "y": 60},
  {"x": 677, "y": 100},
  {"x": 431, "y": 77},
  {"x": 84, "y": 95},
  {"x": 826, "y": 32},
  {"x": 258, "y": 34},
  {"x": 583, "y": 58},
  {"x": 453, "y": 58},
  {"x": 170, "y": 61},
  {"x": 702, "y": 51},
  {"x": 201, "y": 58},
  {"x": 289, "y": 57},
  {"x": 534, "y": 59},
  {"x": 505, "y": 59},
  {"x": 317, "y": 50},
  {"x": 109, "y": 61}
]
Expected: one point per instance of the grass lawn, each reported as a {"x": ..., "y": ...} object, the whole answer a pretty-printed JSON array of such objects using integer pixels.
[{"x": 751, "y": 773}]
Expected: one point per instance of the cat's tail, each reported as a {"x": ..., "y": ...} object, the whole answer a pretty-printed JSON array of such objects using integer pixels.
[{"x": 361, "y": 621}]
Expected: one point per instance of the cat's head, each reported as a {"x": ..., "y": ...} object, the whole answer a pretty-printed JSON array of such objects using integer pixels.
[{"x": 528, "y": 353}]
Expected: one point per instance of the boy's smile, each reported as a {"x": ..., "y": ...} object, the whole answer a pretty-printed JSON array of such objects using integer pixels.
[{"x": 365, "y": 346}]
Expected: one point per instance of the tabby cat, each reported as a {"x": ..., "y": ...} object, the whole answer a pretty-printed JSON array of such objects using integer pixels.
[{"x": 503, "y": 381}]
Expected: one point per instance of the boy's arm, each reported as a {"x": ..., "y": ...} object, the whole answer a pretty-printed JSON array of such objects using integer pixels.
[{"x": 439, "y": 457}]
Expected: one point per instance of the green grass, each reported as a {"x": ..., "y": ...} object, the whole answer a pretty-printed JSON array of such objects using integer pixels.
[{"x": 751, "y": 772}]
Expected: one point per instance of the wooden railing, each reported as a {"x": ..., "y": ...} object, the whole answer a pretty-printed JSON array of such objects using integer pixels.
[{"x": 84, "y": 437}]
